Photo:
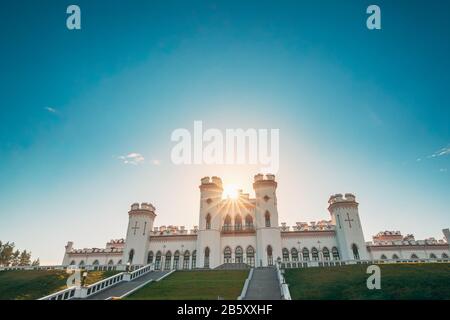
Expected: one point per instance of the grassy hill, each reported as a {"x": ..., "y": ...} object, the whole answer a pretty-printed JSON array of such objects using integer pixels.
[
  {"x": 398, "y": 282},
  {"x": 195, "y": 285},
  {"x": 34, "y": 284}
]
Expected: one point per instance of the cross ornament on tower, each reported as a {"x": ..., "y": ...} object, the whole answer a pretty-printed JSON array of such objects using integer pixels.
[
  {"x": 349, "y": 220},
  {"x": 135, "y": 227}
]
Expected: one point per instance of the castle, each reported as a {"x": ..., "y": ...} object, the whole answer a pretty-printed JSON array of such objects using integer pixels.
[{"x": 244, "y": 230}]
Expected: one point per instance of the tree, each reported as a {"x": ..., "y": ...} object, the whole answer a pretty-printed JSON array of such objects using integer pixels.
[
  {"x": 25, "y": 258},
  {"x": 15, "y": 259},
  {"x": 36, "y": 262},
  {"x": 10, "y": 256},
  {"x": 6, "y": 252}
]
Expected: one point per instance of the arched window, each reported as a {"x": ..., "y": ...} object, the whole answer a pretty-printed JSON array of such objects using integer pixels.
[
  {"x": 269, "y": 256},
  {"x": 130, "y": 256},
  {"x": 110, "y": 262},
  {"x": 433, "y": 256},
  {"x": 158, "y": 260},
  {"x": 168, "y": 260},
  {"x": 383, "y": 257},
  {"x": 250, "y": 253},
  {"x": 206, "y": 261},
  {"x": 294, "y": 254},
  {"x": 414, "y": 256},
  {"x": 208, "y": 221},
  {"x": 395, "y": 257},
  {"x": 285, "y": 253},
  {"x": 176, "y": 259},
  {"x": 315, "y": 254},
  {"x": 150, "y": 257},
  {"x": 248, "y": 222},
  {"x": 72, "y": 263},
  {"x": 305, "y": 254},
  {"x": 444, "y": 256},
  {"x": 194, "y": 259},
  {"x": 238, "y": 254},
  {"x": 267, "y": 218},
  {"x": 81, "y": 263},
  {"x": 120, "y": 262},
  {"x": 355, "y": 251},
  {"x": 238, "y": 223},
  {"x": 186, "y": 258},
  {"x": 335, "y": 253},
  {"x": 326, "y": 253},
  {"x": 96, "y": 263},
  {"x": 227, "y": 223},
  {"x": 227, "y": 255}
]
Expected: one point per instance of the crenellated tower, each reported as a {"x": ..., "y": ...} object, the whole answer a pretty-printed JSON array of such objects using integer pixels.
[
  {"x": 140, "y": 223},
  {"x": 349, "y": 233},
  {"x": 268, "y": 235},
  {"x": 210, "y": 221}
]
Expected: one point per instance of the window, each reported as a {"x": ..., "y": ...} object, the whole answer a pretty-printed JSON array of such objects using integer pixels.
[
  {"x": 130, "y": 256},
  {"x": 186, "y": 259},
  {"x": 208, "y": 221},
  {"x": 206, "y": 261},
  {"x": 414, "y": 256},
  {"x": 248, "y": 222},
  {"x": 110, "y": 262},
  {"x": 150, "y": 257},
  {"x": 227, "y": 255},
  {"x": 81, "y": 263},
  {"x": 305, "y": 253},
  {"x": 194, "y": 259},
  {"x": 158, "y": 260},
  {"x": 227, "y": 223},
  {"x": 395, "y": 257},
  {"x": 176, "y": 259},
  {"x": 326, "y": 254},
  {"x": 444, "y": 256},
  {"x": 355, "y": 251},
  {"x": 315, "y": 254},
  {"x": 238, "y": 223},
  {"x": 383, "y": 257},
  {"x": 285, "y": 255},
  {"x": 120, "y": 262},
  {"x": 335, "y": 253},
  {"x": 168, "y": 261},
  {"x": 250, "y": 256},
  {"x": 238, "y": 254},
  {"x": 72, "y": 263},
  {"x": 269, "y": 256},
  {"x": 294, "y": 254},
  {"x": 267, "y": 218}
]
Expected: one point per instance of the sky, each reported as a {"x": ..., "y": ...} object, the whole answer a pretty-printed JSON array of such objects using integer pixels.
[{"x": 86, "y": 116}]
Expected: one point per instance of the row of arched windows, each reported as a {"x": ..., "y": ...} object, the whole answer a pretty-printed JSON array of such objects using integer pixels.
[
  {"x": 169, "y": 263},
  {"x": 414, "y": 256},
  {"x": 307, "y": 255},
  {"x": 239, "y": 255},
  {"x": 95, "y": 263},
  {"x": 238, "y": 223}
]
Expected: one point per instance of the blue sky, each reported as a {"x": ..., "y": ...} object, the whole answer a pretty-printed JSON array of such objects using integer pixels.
[{"x": 358, "y": 111}]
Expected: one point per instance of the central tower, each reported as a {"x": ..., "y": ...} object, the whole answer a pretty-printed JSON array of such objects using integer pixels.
[
  {"x": 208, "y": 237},
  {"x": 268, "y": 235}
]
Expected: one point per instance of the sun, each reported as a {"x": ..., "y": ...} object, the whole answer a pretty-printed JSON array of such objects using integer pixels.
[{"x": 230, "y": 191}]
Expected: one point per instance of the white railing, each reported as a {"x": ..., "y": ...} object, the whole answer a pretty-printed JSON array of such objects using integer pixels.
[
  {"x": 246, "y": 284},
  {"x": 87, "y": 291},
  {"x": 285, "y": 293},
  {"x": 333, "y": 263},
  {"x": 104, "y": 267}
]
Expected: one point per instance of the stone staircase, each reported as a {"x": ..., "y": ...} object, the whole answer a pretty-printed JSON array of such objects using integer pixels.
[{"x": 263, "y": 285}]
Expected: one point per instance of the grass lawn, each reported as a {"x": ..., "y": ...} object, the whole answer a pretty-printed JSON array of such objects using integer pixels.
[
  {"x": 195, "y": 285},
  {"x": 398, "y": 282},
  {"x": 34, "y": 284}
]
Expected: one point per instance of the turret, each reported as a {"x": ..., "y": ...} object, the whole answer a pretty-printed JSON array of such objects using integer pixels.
[
  {"x": 268, "y": 234},
  {"x": 349, "y": 234},
  {"x": 140, "y": 223}
]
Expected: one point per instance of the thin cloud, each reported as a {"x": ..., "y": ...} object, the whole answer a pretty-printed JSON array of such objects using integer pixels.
[
  {"x": 441, "y": 152},
  {"x": 133, "y": 158},
  {"x": 51, "y": 110}
]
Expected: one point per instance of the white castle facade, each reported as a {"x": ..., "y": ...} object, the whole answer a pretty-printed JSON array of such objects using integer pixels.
[{"x": 247, "y": 231}]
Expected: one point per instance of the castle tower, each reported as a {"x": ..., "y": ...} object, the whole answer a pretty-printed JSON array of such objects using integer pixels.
[
  {"x": 210, "y": 221},
  {"x": 268, "y": 235},
  {"x": 349, "y": 233},
  {"x": 140, "y": 223}
]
